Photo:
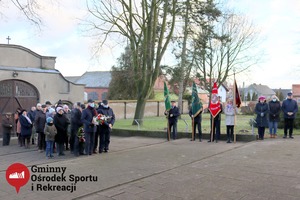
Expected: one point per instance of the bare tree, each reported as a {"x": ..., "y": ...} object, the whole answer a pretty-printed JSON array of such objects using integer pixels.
[
  {"x": 224, "y": 48},
  {"x": 195, "y": 14},
  {"x": 147, "y": 25},
  {"x": 29, "y": 8}
]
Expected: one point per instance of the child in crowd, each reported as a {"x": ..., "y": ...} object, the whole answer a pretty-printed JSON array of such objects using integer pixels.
[{"x": 50, "y": 132}]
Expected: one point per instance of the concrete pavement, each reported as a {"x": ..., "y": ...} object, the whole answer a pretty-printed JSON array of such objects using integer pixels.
[{"x": 152, "y": 168}]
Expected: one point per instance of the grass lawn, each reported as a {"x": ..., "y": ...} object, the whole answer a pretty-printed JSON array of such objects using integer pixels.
[{"x": 160, "y": 124}]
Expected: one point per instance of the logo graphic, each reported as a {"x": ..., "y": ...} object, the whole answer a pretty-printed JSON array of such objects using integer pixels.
[{"x": 17, "y": 175}]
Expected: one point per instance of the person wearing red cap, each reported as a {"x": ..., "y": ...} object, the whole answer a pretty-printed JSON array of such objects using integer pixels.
[{"x": 261, "y": 110}]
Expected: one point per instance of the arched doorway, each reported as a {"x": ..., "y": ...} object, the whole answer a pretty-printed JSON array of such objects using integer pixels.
[{"x": 16, "y": 94}]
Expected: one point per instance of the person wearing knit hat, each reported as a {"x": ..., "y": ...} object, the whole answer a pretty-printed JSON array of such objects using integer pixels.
[
  {"x": 61, "y": 123},
  {"x": 59, "y": 109},
  {"x": 261, "y": 110},
  {"x": 50, "y": 132}
]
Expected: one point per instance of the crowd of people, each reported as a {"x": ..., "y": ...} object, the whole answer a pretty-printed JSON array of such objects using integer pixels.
[
  {"x": 84, "y": 130},
  {"x": 267, "y": 116}
]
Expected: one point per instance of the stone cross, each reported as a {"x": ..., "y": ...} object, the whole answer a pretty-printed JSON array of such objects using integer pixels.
[{"x": 8, "y": 38}]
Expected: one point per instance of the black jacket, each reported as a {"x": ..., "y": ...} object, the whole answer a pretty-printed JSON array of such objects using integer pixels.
[
  {"x": 174, "y": 112},
  {"x": 76, "y": 118},
  {"x": 109, "y": 113},
  {"x": 274, "y": 111},
  {"x": 61, "y": 123},
  {"x": 40, "y": 121}
]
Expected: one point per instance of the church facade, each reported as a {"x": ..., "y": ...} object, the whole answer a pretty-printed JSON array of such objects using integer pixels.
[{"x": 28, "y": 78}]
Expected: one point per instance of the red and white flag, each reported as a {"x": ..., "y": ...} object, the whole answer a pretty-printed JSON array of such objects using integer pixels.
[{"x": 214, "y": 106}]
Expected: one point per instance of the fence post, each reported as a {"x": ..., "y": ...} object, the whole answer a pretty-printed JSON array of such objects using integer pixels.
[
  {"x": 125, "y": 110},
  {"x": 157, "y": 108}
]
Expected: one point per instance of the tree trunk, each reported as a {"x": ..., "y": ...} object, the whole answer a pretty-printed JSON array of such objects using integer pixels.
[{"x": 139, "y": 111}]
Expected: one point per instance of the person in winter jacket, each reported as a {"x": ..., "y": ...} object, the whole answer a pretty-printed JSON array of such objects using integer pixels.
[
  {"x": 7, "y": 126},
  {"x": 261, "y": 110},
  {"x": 106, "y": 126},
  {"x": 88, "y": 125},
  {"x": 50, "y": 132},
  {"x": 39, "y": 123},
  {"x": 61, "y": 123},
  {"x": 274, "y": 112},
  {"x": 289, "y": 108},
  {"x": 26, "y": 128},
  {"x": 172, "y": 116},
  {"x": 230, "y": 112}
]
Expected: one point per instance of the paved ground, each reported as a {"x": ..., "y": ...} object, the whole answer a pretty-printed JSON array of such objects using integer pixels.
[{"x": 148, "y": 168}]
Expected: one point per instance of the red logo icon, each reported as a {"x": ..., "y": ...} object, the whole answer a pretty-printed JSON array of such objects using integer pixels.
[{"x": 17, "y": 175}]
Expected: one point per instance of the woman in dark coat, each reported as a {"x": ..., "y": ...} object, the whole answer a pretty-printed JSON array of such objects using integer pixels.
[
  {"x": 261, "y": 110},
  {"x": 274, "y": 112},
  {"x": 26, "y": 128},
  {"x": 61, "y": 123}
]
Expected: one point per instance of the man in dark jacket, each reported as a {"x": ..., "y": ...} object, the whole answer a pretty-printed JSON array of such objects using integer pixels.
[
  {"x": 106, "y": 126},
  {"x": 197, "y": 122},
  {"x": 173, "y": 118},
  {"x": 39, "y": 123},
  {"x": 289, "y": 108},
  {"x": 75, "y": 125},
  {"x": 7, "y": 126},
  {"x": 88, "y": 126},
  {"x": 31, "y": 115}
]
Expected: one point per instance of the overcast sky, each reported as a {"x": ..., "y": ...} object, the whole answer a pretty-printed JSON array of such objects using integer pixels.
[{"x": 61, "y": 36}]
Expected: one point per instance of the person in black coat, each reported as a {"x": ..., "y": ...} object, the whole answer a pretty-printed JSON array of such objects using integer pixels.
[
  {"x": 106, "y": 126},
  {"x": 75, "y": 125},
  {"x": 39, "y": 123},
  {"x": 26, "y": 128},
  {"x": 7, "y": 126},
  {"x": 31, "y": 115},
  {"x": 274, "y": 112},
  {"x": 289, "y": 108},
  {"x": 88, "y": 125},
  {"x": 172, "y": 116},
  {"x": 261, "y": 110},
  {"x": 61, "y": 123},
  {"x": 197, "y": 123}
]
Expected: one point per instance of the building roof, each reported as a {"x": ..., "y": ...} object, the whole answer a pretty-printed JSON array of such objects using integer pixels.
[
  {"x": 283, "y": 91},
  {"x": 29, "y": 69},
  {"x": 94, "y": 79},
  {"x": 261, "y": 89}
]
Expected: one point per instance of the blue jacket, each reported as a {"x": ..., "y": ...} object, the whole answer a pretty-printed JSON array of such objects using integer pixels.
[
  {"x": 175, "y": 113},
  {"x": 26, "y": 127},
  {"x": 262, "y": 109},
  {"x": 109, "y": 113},
  {"x": 289, "y": 105},
  {"x": 87, "y": 118}
]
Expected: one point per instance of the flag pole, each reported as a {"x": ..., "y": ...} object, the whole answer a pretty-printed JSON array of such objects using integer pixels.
[
  {"x": 234, "y": 108},
  {"x": 193, "y": 131},
  {"x": 169, "y": 134},
  {"x": 212, "y": 129}
]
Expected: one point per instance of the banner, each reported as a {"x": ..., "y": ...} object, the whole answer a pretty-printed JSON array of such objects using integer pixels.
[
  {"x": 238, "y": 100},
  {"x": 214, "y": 106},
  {"x": 196, "y": 104},
  {"x": 167, "y": 97}
]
